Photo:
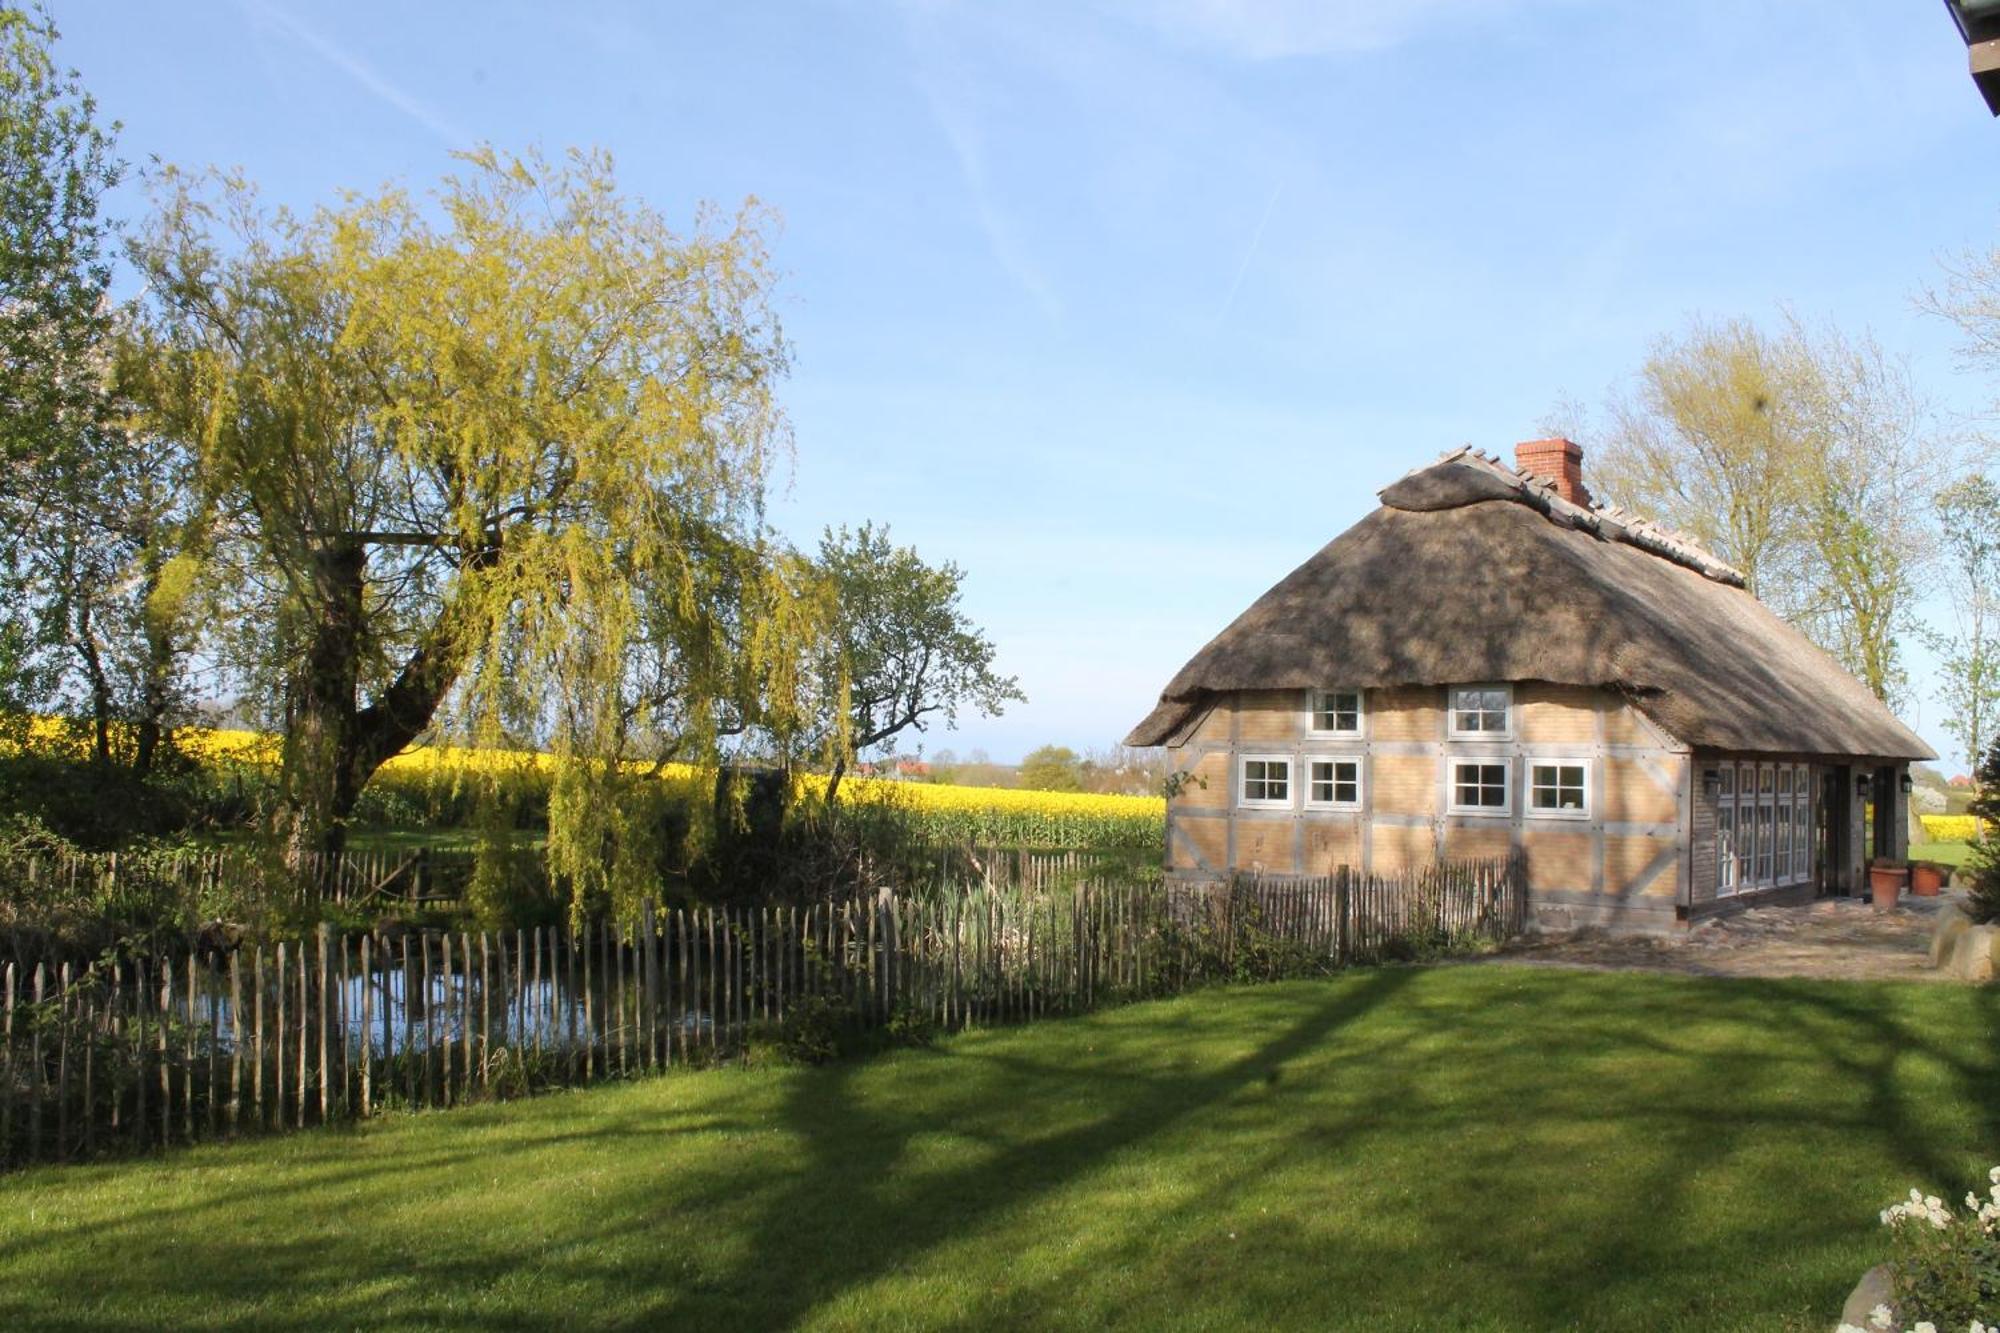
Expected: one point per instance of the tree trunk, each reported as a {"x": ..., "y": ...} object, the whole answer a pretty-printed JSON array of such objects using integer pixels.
[
  {"x": 334, "y": 746},
  {"x": 156, "y": 690},
  {"x": 100, "y": 687},
  {"x": 319, "y": 745}
]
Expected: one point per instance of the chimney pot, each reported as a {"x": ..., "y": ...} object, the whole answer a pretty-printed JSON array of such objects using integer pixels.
[{"x": 1557, "y": 461}]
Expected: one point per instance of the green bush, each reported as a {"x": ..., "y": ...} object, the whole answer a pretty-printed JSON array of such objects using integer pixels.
[
  {"x": 1985, "y": 863},
  {"x": 1945, "y": 1269},
  {"x": 817, "y": 1029}
]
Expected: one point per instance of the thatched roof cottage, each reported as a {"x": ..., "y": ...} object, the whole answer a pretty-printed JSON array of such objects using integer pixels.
[{"x": 1489, "y": 662}]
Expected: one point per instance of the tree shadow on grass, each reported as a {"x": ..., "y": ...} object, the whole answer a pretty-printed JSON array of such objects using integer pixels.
[
  {"x": 1547, "y": 1148},
  {"x": 1698, "y": 1113},
  {"x": 855, "y": 1154}
]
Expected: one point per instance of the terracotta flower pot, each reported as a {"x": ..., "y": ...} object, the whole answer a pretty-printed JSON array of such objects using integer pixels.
[
  {"x": 1926, "y": 880},
  {"x": 1886, "y": 880}
]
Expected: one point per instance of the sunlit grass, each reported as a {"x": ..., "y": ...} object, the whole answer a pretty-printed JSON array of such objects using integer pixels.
[{"x": 1474, "y": 1147}]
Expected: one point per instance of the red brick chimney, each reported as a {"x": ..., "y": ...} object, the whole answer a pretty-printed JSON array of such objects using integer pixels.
[{"x": 1558, "y": 461}]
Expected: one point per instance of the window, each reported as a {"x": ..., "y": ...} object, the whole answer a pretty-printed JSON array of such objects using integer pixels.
[
  {"x": 1746, "y": 830},
  {"x": 1479, "y": 710},
  {"x": 1784, "y": 848},
  {"x": 1802, "y": 825},
  {"x": 1267, "y": 781},
  {"x": 1767, "y": 824},
  {"x": 1337, "y": 711},
  {"x": 1479, "y": 787},
  {"x": 1334, "y": 782},
  {"x": 1559, "y": 789},
  {"x": 1725, "y": 845}
]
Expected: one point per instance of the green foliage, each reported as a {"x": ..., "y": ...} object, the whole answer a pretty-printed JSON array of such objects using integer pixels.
[
  {"x": 1968, "y": 658},
  {"x": 1946, "y": 1264},
  {"x": 1984, "y": 901},
  {"x": 912, "y": 1025},
  {"x": 902, "y": 653},
  {"x": 819, "y": 1026},
  {"x": 1806, "y": 458},
  {"x": 54, "y": 271},
  {"x": 1052, "y": 768},
  {"x": 492, "y": 469}
]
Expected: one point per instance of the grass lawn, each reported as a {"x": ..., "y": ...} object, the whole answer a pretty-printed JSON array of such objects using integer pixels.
[
  {"x": 1943, "y": 853},
  {"x": 1477, "y": 1147}
]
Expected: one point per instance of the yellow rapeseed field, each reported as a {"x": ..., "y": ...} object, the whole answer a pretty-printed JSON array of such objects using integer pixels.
[
  {"x": 996, "y": 815},
  {"x": 1948, "y": 828}
]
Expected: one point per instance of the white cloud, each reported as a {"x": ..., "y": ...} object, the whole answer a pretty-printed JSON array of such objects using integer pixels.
[
  {"x": 1271, "y": 29},
  {"x": 945, "y": 86},
  {"x": 359, "y": 70}
]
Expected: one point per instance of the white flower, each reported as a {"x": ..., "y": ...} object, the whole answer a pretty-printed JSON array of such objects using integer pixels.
[
  {"x": 1880, "y": 1316},
  {"x": 1924, "y": 1326}
]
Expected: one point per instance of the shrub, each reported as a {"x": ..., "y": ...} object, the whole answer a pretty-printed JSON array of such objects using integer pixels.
[
  {"x": 1946, "y": 1266},
  {"x": 1985, "y": 903},
  {"x": 816, "y": 1030}
]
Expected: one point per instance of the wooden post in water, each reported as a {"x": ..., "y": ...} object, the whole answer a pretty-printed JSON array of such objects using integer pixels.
[
  {"x": 485, "y": 1011},
  {"x": 367, "y": 1027},
  {"x": 7, "y": 987},
  {"x": 305, "y": 1033},
  {"x": 445, "y": 991},
  {"x": 465, "y": 1079},
  {"x": 649, "y": 984},
  {"x": 325, "y": 1004}
]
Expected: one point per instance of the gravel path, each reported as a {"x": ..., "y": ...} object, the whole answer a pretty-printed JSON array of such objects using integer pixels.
[{"x": 1842, "y": 938}]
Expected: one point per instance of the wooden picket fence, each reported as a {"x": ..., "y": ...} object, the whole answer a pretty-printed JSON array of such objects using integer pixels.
[{"x": 142, "y": 1053}]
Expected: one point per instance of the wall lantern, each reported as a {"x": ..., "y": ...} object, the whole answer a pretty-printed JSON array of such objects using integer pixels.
[
  {"x": 1979, "y": 24},
  {"x": 1909, "y": 784},
  {"x": 1863, "y": 785}
]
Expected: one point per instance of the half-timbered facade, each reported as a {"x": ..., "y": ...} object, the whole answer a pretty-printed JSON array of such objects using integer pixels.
[{"x": 1491, "y": 665}]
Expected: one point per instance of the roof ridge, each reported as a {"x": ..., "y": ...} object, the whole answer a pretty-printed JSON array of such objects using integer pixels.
[{"x": 1611, "y": 522}]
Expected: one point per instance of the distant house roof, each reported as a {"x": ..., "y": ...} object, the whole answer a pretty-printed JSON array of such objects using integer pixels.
[{"x": 1472, "y": 571}]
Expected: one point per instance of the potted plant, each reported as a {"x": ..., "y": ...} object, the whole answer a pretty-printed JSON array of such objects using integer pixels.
[
  {"x": 1886, "y": 880},
  {"x": 1926, "y": 879}
]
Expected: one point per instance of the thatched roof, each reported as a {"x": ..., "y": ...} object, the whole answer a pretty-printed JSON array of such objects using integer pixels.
[{"x": 1471, "y": 571}]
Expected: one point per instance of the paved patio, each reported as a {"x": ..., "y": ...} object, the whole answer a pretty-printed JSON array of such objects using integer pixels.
[{"x": 1844, "y": 938}]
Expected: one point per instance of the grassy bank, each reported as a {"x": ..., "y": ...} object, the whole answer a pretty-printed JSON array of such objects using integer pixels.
[{"x": 1474, "y": 1147}]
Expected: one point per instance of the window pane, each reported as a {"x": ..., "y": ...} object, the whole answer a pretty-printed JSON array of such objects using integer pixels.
[
  {"x": 1725, "y": 847},
  {"x": 1728, "y": 774},
  {"x": 1785, "y": 839}
]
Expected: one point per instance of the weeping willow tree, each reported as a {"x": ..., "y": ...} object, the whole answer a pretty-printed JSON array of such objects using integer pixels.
[{"x": 489, "y": 466}]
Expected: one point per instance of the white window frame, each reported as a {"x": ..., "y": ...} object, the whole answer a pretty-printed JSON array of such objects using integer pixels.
[
  {"x": 1505, "y": 763},
  {"x": 1782, "y": 873},
  {"x": 1746, "y": 827},
  {"x": 1451, "y": 710},
  {"x": 1360, "y": 793},
  {"x": 1803, "y": 841},
  {"x": 1725, "y": 847},
  {"x": 1558, "y": 762},
  {"x": 1767, "y": 824},
  {"x": 1248, "y": 802},
  {"x": 1313, "y": 727}
]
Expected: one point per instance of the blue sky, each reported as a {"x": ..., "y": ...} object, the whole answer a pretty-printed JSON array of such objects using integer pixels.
[{"x": 1129, "y": 307}]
